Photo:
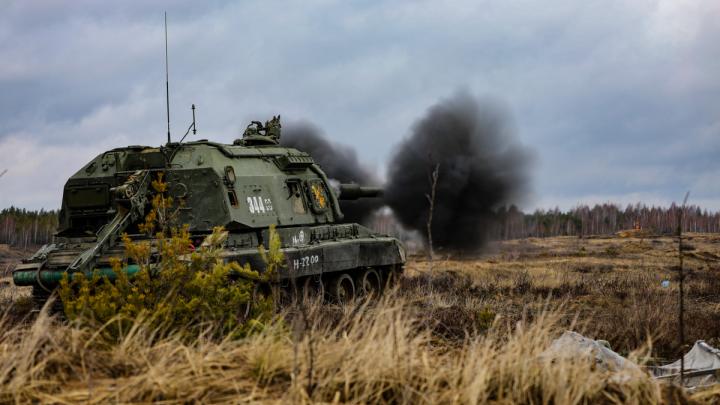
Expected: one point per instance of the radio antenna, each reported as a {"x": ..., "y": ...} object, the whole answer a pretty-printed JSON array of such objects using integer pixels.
[
  {"x": 192, "y": 126},
  {"x": 167, "y": 81}
]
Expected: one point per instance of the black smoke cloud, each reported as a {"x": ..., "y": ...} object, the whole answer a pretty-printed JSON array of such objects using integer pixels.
[
  {"x": 340, "y": 163},
  {"x": 480, "y": 169}
]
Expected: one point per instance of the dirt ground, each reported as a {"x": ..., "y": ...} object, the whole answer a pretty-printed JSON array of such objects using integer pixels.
[{"x": 9, "y": 256}]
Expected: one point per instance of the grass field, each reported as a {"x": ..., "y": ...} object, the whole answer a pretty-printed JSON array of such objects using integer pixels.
[
  {"x": 464, "y": 330},
  {"x": 612, "y": 287}
]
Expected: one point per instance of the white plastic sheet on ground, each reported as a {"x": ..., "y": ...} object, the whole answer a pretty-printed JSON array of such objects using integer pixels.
[
  {"x": 573, "y": 344},
  {"x": 701, "y": 365},
  {"x": 702, "y": 362}
]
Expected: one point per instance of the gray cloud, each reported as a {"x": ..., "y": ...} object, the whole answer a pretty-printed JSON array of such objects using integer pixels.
[{"x": 618, "y": 99}]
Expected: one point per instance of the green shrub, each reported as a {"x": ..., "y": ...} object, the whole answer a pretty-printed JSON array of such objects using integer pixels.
[
  {"x": 177, "y": 287},
  {"x": 485, "y": 318}
]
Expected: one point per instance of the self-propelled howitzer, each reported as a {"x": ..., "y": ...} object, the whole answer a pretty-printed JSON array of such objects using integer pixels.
[{"x": 245, "y": 187}]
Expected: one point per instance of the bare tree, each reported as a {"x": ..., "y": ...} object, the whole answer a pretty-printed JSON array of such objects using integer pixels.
[
  {"x": 681, "y": 312},
  {"x": 431, "y": 199}
]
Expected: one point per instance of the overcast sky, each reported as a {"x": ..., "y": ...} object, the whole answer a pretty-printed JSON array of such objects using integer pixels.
[{"x": 619, "y": 100}]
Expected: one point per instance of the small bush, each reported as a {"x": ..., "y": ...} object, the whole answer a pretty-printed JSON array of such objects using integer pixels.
[
  {"x": 612, "y": 251},
  {"x": 522, "y": 283}
]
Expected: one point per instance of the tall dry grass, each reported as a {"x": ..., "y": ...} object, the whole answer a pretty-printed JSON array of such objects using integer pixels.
[
  {"x": 364, "y": 353},
  {"x": 475, "y": 333}
]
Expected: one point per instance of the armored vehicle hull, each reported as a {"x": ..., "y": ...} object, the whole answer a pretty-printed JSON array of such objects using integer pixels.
[{"x": 246, "y": 187}]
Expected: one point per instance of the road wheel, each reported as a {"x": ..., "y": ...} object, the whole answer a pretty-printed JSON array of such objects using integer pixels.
[
  {"x": 40, "y": 296},
  {"x": 368, "y": 283},
  {"x": 342, "y": 289},
  {"x": 391, "y": 277},
  {"x": 312, "y": 289}
]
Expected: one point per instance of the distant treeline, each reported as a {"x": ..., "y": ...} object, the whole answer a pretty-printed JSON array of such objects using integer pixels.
[
  {"x": 23, "y": 228},
  {"x": 602, "y": 219}
]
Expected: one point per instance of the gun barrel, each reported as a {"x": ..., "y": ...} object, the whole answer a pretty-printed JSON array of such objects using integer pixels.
[{"x": 355, "y": 191}]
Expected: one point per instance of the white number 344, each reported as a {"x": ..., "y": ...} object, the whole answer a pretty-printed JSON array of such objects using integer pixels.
[{"x": 259, "y": 205}]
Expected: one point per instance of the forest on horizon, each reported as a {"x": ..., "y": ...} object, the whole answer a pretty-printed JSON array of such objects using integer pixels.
[{"x": 27, "y": 228}]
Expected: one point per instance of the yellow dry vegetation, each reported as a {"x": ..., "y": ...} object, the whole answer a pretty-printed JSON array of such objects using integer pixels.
[
  {"x": 371, "y": 354},
  {"x": 475, "y": 331}
]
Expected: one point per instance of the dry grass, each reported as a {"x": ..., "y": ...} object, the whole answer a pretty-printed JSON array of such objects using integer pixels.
[
  {"x": 369, "y": 354},
  {"x": 611, "y": 286},
  {"x": 474, "y": 333}
]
